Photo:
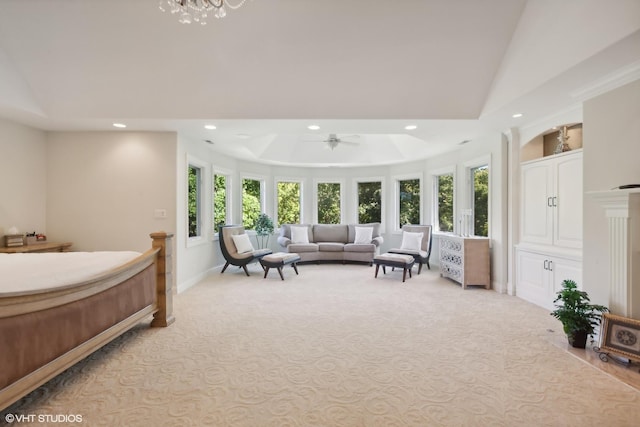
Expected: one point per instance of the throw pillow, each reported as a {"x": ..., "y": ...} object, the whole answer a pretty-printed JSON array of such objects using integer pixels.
[
  {"x": 411, "y": 241},
  {"x": 363, "y": 235},
  {"x": 299, "y": 235},
  {"x": 242, "y": 242}
]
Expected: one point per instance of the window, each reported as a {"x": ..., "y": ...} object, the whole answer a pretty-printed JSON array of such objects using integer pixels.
[
  {"x": 369, "y": 202},
  {"x": 220, "y": 200},
  {"x": 480, "y": 200},
  {"x": 194, "y": 205},
  {"x": 444, "y": 202},
  {"x": 408, "y": 202},
  {"x": 251, "y": 202},
  {"x": 289, "y": 206},
  {"x": 328, "y": 199}
]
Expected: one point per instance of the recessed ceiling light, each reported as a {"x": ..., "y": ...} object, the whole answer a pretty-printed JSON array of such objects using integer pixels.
[
  {"x": 119, "y": 125},
  {"x": 516, "y": 115},
  {"x": 411, "y": 127},
  {"x": 210, "y": 127},
  {"x": 313, "y": 127}
]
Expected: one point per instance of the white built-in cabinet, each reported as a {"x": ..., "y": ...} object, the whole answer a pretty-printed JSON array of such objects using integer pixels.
[
  {"x": 540, "y": 274},
  {"x": 550, "y": 245},
  {"x": 552, "y": 200}
]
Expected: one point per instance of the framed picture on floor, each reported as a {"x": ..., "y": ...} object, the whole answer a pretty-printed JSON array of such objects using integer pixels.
[{"x": 621, "y": 335}]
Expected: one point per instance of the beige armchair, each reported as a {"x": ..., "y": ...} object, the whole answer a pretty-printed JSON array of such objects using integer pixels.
[
  {"x": 230, "y": 248},
  {"x": 421, "y": 254}
]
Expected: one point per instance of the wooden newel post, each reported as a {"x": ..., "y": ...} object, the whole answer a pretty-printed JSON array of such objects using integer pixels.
[{"x": 164, "y": 315}]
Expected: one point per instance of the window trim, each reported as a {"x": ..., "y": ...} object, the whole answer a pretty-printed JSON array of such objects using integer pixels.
[
  {"x": 202, "y": 211},
  {"x": 469, "y": 166},
  {"x": 397, "y": 228},
  {"x": 383, "y": 199},
  {"x": 228, "y": 196},
  {"x": 279, "y": 179},
  {"x": 263, "y": 197},
  {"x": 342, "y": 184},
  {"x": 435, "y": 204}
]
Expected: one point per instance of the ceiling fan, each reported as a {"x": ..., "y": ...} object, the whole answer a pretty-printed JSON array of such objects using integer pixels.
[{"x": 333, "y": 140}]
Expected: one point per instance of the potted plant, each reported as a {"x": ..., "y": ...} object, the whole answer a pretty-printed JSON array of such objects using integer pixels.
[
  {"x": 264, "y": 228},
  {"x": 576, "y": 313}
]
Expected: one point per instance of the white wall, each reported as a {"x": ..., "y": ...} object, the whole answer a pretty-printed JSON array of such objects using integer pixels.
[
  {"x": 23, "y": 172},
  {"x": 491, "y": 147},
  {"x": 103, "y": 188},
  {"x": 611, "y": 141},
  {"x": 196, "y": 258}
]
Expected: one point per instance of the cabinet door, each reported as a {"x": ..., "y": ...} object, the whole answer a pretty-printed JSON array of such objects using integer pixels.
[
  {"x": 537, "y": 215},
  {"x": 568, "y": 202},
  {"x": 532, "y": 278},
  {"x": 564, "y": 269}
]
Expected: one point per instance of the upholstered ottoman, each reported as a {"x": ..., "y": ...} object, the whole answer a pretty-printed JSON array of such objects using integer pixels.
[
  {"x": 279, "y": 260},
  {"x": 394, "y": 260}
]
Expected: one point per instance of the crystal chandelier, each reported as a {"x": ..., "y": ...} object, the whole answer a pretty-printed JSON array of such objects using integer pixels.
[{"x": 198, "y": 10}]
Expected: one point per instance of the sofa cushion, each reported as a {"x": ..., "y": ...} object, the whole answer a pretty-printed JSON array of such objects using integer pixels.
[
  {"x": 352, "y": 230},
  {"x": 330, "y": 233},
  {"x": 302, "y": 247},
  {"x": 363, "y": 235},
  {"x": 330, "y": 247},
  {"x": 285, "y": 230},
  {"x": 299, "y": 234},
  {"x": 359, "y": 247}
]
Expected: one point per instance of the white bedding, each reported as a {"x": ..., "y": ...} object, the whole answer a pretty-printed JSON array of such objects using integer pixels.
[{"x": 37, "y": 271}]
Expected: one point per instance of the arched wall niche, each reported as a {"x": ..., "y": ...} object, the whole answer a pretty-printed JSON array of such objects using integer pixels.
[{"x": 560, "y": 138}]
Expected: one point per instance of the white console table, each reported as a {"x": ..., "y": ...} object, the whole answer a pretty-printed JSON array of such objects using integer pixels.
[{"x": 465, "y": 260}]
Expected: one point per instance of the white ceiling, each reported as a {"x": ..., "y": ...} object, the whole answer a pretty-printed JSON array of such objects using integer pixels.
[{"x": 455, "y": 68}]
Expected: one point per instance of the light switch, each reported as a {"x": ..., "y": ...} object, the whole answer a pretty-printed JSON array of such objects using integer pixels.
[{"x": 160, "y": 213}]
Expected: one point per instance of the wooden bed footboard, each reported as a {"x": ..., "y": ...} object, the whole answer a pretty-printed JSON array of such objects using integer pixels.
[{"x": 44, "y": 333}]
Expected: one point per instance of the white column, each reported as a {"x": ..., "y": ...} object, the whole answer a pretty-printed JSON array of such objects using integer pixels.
[
  {"x": 619, "y": 302},
  {"x": 621, "y": 209}
]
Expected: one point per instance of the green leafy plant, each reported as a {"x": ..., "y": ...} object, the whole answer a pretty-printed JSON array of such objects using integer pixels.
[
  {"x": 576, "y": 313},
  {"x": 264, "y": 228}
]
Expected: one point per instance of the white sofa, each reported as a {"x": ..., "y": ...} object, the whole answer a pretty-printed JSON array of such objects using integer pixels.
[{"x": 332, "y": 242}]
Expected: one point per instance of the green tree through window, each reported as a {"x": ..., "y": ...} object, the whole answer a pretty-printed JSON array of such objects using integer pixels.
[
  {"x": 251, "y": 207},
  {"x": 194, "y": 201},
  {"x": 219, "y": 201},
  {"x": 288, "y": 203},
  {"x": 481, "y": 201},
  {"x": 409, "y": 209},
  {"x": 445, "y": 202},
  {"x": 369, "y": 202},
  {"x": 329, "y": 203}
]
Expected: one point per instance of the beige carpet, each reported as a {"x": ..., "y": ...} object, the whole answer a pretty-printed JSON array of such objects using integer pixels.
[{"x": 335, "y": 347}]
